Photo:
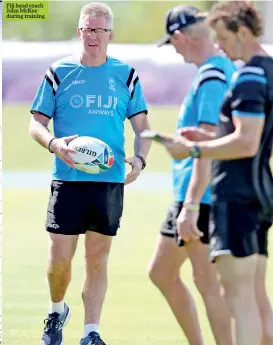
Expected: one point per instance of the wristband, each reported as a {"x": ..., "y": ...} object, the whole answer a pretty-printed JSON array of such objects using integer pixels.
[
  {"x": 142, "y": 161},
  {"x": 49, "y": 145},
  {"x": 191, "y": 206}
]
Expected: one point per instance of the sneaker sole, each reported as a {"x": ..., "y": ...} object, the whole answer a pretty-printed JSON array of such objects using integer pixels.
[{"x": 66, "y": 322}]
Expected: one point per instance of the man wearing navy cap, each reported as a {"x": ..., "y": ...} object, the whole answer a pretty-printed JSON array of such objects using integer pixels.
[
  {"x": 181, "y": 17},
  {"x": 185, "y": 231}
]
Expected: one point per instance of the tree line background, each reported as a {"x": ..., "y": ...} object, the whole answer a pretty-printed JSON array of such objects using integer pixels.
[{"x": 134, "y": 21}]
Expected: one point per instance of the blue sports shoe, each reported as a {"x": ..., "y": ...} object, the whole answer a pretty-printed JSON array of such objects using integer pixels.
[
  {"x": 53, "y": 331},
  {"x": 93, "y": 338}
]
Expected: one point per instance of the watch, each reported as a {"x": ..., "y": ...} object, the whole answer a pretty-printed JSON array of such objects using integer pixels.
[
  {"x": 195, "y": 151},
  {"x": 142, "y": 161}
]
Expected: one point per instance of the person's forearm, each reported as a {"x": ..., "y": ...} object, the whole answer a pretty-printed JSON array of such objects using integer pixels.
[
  {"x": 141, "y": 146},
  {"x": 200, "y": 178},
  {"x": 40, "y": 133},
  {"x": 231, "y": 146}
]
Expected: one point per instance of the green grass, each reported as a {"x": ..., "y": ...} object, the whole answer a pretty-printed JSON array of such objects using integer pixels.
[
  {"x": 20, "y": 152},
  {"x": 62, "y": 25},
  {"x": 134, "y": 312}
]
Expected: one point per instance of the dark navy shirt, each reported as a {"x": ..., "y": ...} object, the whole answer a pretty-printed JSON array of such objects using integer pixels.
[{"x": 250, "y": 179}]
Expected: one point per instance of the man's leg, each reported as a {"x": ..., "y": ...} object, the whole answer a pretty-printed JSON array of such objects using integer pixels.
[
  {"x": 260, "y": 281},
  {"x": 164, "y": 271},
  {"x": 102, "y": 223},
  {"x": 64, "y": 224},
  {"x": 97, "y": 249},
  {"x": 205, "y": 278},
  {"x": 263, "y": 301},
  {"x": 61, "y": 251},
  {"x": 234, "y": 247},
  {"x": 238, "y": 279}
]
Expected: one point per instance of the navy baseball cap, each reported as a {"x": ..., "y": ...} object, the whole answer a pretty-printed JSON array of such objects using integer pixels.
[{"x": 179, "y": 18}]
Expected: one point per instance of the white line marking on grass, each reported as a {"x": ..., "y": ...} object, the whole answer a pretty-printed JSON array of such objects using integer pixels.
[{"x": 153, "y": 181}]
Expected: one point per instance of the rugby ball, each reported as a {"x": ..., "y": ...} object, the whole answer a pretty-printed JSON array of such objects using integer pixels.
[{"x": 92, "y": 155}]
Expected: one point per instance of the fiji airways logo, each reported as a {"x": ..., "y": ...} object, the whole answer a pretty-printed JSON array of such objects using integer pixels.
[
  {"x": 96, "y": 104},
  {"x": 76, "y": 101},
  {"x": 112, "y": 84}
]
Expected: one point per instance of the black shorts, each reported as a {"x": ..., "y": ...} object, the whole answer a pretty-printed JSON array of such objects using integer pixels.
[
  {"x": 75, "y": 207},
  {"x": 236, "y": 229},
  {"x": 169, "y": 227}
]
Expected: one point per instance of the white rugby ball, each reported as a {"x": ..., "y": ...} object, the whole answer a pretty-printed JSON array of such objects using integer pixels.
[{"x": 92, "y": 155}]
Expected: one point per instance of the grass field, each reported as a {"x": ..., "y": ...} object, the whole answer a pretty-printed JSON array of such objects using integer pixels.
[{"x": 134, "y": 312}]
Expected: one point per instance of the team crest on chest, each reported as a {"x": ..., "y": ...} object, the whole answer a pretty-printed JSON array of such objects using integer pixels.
[{"x": 112, "y": 85}]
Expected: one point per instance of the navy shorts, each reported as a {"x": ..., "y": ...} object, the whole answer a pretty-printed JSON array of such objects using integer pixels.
[
  {"x": 169, "y": 228},
  {"x": 77, "y": 207},
  {"x": 236, "y": 229}
]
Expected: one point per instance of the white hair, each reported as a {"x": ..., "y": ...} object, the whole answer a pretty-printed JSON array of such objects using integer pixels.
[
  {"x": 199, "y": 30},
  {"x": 95, "y": 10}
]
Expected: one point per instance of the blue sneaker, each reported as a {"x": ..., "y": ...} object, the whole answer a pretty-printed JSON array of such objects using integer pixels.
[
  {"x": 93, "y": 338},
  {"x": 53, "y": 331}
]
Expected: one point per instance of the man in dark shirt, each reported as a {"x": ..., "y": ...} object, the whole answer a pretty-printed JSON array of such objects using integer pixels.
[{"x": 242, "y": 181}]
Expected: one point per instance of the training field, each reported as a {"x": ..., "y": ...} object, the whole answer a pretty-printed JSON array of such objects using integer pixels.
[
  {"x": 22, "y": 153},
  {"x": 134, "y": 312}
]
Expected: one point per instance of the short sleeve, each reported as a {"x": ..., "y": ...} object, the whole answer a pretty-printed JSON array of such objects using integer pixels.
[
  {"x": 137, "y": 102},
  {"x": 209, "y": 99},
  {"x": 44, "y": 101},
  {"x": 249, "y": 92},
  {"x": 210, "y": 93}
]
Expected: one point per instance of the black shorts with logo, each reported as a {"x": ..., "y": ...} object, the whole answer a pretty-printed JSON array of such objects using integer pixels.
[
  {"x": 236, "y": 229},
  {"x": 169, "y": 228},
  {"x": 76, "y": 207}
]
